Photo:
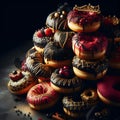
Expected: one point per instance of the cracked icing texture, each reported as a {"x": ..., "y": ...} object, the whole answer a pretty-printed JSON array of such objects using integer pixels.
[
  {"x": 60, "y": 81},
  {"x": 21, "y": 83},
  {"x": 93, "y": 67}
]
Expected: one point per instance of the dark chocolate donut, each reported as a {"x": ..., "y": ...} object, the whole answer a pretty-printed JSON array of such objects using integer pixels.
[
  {"x": 65, "y": 82},
  {"x": 90, "y": 70},
  {"x": 37, "y": 68},
  {"x": 53, "y": 51},
  {"x": 40, "y": 39}
]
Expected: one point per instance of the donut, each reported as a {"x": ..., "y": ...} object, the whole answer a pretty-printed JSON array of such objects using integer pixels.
[
  {"x": 89, "y": 46},
  {"x": 108, "y": 90},
  {"x": 99, "y": 112},
  {"x": 64, "y": 81},
  {"x": 20, "y": 82},
  {"x": 57, "y": 20},
  {"x": 85, "y": 18},
  {"x": 114, "y": 59},
  {"x": 38, "y": 69},
  {"x": 89, "y": 95},
  {"x": 75, "y": 107},
  {"x": 90, "y": 70},
  {"x": 64, "y": 38},
  {"x": 42, "y": 96},
  {"x": 55, "y": 56},
  {"x": 41, "y": 37}
]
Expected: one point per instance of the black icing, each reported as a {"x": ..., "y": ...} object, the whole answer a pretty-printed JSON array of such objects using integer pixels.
[
  {"x": 63, "y": 82},
  {"x": 53, "y": 51},
  {"x": 90, "y": 66},
  {"x": 57, "y": 23},
  {"x": 41, "y": 42}
]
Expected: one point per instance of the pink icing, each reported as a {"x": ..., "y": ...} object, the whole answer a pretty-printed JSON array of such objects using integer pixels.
[
  {"x": 41, "y": 93},
  {"x": 90, "y": 42},
  {"x": 107, "y": 89}
]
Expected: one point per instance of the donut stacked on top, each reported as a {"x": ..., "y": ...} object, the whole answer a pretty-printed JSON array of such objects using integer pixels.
[
  {"x": 88, "y": 44},
  {"x": 58, "y": 54}
]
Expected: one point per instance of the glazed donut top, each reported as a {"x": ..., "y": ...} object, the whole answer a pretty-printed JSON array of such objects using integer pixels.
[
  {"x": 53, "y": 51},
  {"x": 93, "y": 42},
  {"x": 37, "y": 68},
  {"x": 112, "y": 83},
  {"x": 83, "y": 17},
  {"x": 41, "y": 93},
  {"x": 64, "y": 77},
  {"x": 58, "y": 19},
  {"x": 64, "y": 38},
  {"x": 42, "y": 37},
  {"x": 22, "y": 82},
  {"x": 93, "y": 67}
]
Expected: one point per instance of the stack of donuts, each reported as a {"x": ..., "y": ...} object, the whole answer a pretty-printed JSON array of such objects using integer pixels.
[{"x": 69, "y": 62}]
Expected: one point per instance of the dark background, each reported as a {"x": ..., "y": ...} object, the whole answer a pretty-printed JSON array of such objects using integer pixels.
[{"x": 20, "y": 19}]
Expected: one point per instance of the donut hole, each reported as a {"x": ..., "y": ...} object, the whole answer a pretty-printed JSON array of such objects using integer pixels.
[
  {"x": 89, "y": 93},
  {"x": 117, "y": 87}
]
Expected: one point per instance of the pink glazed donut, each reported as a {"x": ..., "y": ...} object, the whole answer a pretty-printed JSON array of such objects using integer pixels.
[
  {"x": 42, "y": 96},
  {"x": 108, "y": 90}
]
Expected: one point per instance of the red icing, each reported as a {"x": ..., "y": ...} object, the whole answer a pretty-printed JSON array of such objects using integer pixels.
[
  {"x": 16, "y": 75},
  {"x": 89, "y": 42},
  {"x": 107, "y": 89},
  {"x": 41, "y": 93},
  {"x": 83, "y": 17}
]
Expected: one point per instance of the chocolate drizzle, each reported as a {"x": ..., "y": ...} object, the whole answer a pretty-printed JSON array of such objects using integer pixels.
[
  {"x": 57, "y": 22},
  {"x": 60, "y": 81},
  {"x": 63, "y": 37},
  {"x": 93, "y": 67}
]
